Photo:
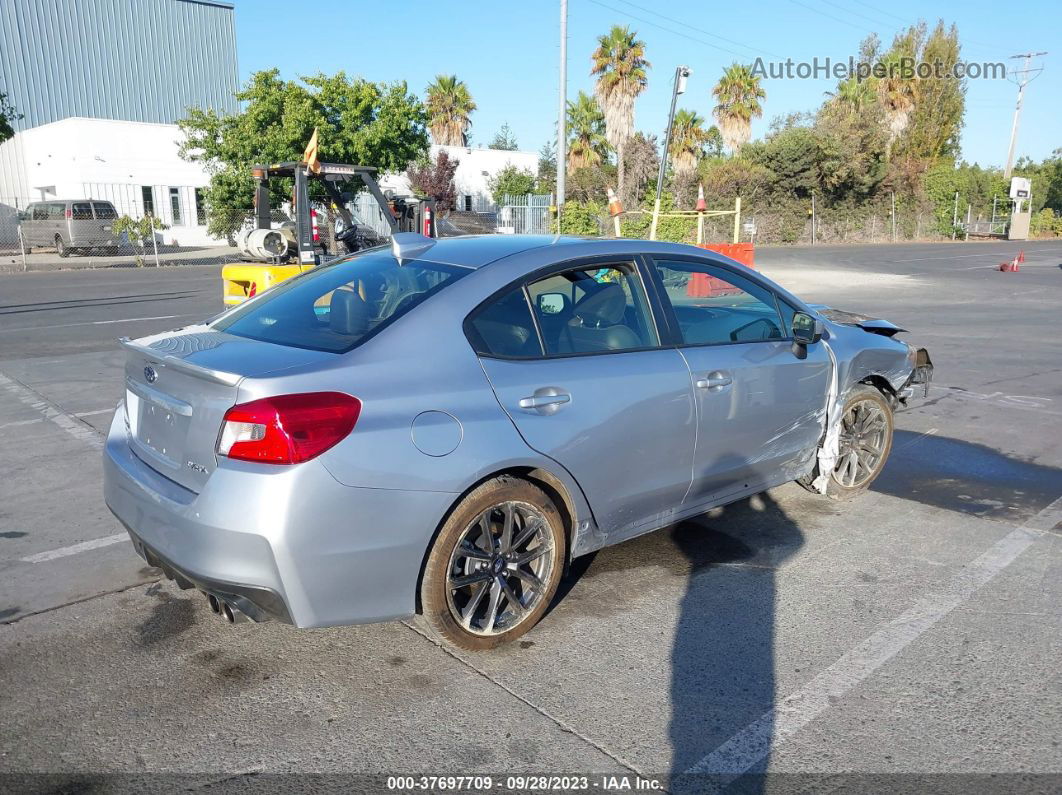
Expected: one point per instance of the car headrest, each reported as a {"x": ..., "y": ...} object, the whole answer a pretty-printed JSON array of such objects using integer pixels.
[
  {"x": 348, "y": 313},
  {"x": 605, "y": 307}
]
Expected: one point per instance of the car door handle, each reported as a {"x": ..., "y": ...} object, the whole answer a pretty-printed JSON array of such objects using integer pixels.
[
  {"x": 546, "y": 400},
  {"x": 715, "y": 380}
]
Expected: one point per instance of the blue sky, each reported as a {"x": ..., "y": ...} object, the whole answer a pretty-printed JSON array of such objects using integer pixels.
[{"x": 508, "y": 54}]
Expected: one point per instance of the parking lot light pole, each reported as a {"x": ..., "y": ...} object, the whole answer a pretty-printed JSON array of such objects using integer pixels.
[{"x": 681, "y": 73}]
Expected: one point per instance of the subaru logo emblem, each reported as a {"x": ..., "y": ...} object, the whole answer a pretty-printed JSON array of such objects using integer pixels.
[{"x": 150, "y": 375}]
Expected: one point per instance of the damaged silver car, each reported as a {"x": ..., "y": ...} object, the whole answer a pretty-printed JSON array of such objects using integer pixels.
[{"x": 441, "y": 426}]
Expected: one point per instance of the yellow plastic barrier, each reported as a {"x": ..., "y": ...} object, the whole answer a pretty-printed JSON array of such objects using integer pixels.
[{"x": 241, "y": 280}]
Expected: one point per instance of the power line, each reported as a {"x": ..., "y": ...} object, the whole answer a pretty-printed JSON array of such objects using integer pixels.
[
  {"x": 701, "y": 30},
  {"x": 668, "y": 30}
]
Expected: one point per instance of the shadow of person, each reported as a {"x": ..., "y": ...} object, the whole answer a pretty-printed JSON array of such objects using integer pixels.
[{"x": 722, "y": 661}]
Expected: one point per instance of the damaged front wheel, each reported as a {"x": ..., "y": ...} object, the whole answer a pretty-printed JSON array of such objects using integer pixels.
[{"x": 864, "y": 443}]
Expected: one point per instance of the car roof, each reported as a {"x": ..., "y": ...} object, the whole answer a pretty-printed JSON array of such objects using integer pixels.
[{"x": 476, "y": 251}]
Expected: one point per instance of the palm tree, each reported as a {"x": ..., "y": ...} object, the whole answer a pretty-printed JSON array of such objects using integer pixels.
[
  {"x": 852, "y": 95},
  {"x": 587, "y": 145},
  {"x": 619, "y": 62},
  {"x": 449, "y": 107},
  {"x": 739, "y": 93},
  {"x": 688, "y": 138}
]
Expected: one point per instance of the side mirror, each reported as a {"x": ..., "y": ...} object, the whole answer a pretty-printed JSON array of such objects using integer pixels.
[
  {"x": 551, "y": 303},
  {"x": 806, "y": 329},
  {"x": 22, "y": 216}
]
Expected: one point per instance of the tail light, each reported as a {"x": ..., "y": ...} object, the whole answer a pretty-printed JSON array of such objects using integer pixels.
[
  {"x": 68, "y": 214},
  {"x": 287, "y": 429},
  {"x": 313, "y": 225}
]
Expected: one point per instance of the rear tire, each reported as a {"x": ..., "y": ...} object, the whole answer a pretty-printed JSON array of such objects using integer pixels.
[
  {"x": 865, "y": 444},
  {"x": 61, "y": 248},
  {"x": 495, "y": 565}
]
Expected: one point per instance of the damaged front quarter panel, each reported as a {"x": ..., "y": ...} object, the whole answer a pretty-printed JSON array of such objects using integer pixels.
[{"x": 863, "y": 351}]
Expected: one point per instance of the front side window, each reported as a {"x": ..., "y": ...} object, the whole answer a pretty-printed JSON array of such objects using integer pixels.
[
  {"x": 81, "y": 211},
  {"x": 335, "y": 307},
  {"x": 716, "y": 307},
  {"x": 593, "y": 310}
]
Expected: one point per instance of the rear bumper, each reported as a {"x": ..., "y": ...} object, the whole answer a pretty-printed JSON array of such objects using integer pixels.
[{"x": 284, "y": 543}]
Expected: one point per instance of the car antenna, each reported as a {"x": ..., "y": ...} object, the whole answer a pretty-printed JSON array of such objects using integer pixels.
[{"x": 409, "y": 245}]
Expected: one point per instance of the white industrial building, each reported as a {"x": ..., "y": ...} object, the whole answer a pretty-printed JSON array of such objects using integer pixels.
[
  {"x": 475, "y": 169},
  {"x": 134, "y": 165}
]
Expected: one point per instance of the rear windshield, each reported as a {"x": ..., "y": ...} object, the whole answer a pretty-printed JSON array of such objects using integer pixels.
[
  {"x": 334, "y": 307},
  {"x": 104, "y": 210}
]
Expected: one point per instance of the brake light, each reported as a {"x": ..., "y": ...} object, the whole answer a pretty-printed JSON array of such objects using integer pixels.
[
  {"x": 313, "y": 225},
  {"x": 68, "y": 214},
  {"x": 287, "y": 429}
]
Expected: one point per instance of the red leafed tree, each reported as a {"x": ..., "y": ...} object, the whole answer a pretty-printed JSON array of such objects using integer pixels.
[{"x": 435, "y": 180}]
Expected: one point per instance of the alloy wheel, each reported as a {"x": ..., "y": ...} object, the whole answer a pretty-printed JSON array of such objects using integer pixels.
[
  {"x": 863, "y": 441},
  {"x": 499, "y": 568}
]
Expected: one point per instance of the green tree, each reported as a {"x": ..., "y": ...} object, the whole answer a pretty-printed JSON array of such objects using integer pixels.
[
  {"x": 138, "y": 231},
  {"x": 547, "y": 168},
  {"x": 374, "y": 124},
  {"x": 587, "y": 145},
  {"x": 935, "y": 120},
  {"x": 450, "y": 108},
  {"x": 504, "y": 139},
  {"x": 620, "y": 64},
  {"x": 511, "y": 181},
  {"x": 8, "y": 114},
  {"x": 738, "y": 93}
]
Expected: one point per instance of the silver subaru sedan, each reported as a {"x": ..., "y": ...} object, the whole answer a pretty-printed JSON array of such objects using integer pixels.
[{"x": 439, "y": 427}]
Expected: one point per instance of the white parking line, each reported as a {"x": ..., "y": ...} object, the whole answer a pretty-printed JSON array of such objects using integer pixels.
[
  {"x": 93, "y": 413},
  {"x": 95, "y": 323},
  {"x": 69, "y": 423},
  {"x": 753, "y": 743},
  {"x": 75, "y": 549}
]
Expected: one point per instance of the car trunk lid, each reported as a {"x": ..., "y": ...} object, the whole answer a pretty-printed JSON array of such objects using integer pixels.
[{"x": 179, "y": 385}]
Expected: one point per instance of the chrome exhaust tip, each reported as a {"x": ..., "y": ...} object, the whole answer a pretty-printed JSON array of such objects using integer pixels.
[
  {"x": 228, "y": 612},
  {"x": 215, "y": 604}
]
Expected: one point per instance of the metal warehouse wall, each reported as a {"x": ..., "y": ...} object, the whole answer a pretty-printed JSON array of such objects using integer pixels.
[{"x": 133, "y": 60}]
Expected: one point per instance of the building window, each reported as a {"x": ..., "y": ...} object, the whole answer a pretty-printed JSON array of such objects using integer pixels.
[
  {"x": 200, "y": 207},
  {"x": 175, "y": 206},
  {"x": 468, "y": 203},
  {"x": 147, "y": 196}
]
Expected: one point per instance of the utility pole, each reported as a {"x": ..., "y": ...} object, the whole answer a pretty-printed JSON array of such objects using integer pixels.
[
  {"x": 681, "y": 73},
  {"x": 1021, "y": 78},
  {"x": 562, "y": 117}
]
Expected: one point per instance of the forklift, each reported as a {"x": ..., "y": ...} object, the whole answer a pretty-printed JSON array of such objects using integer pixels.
[{"x": 297, "y": 246}]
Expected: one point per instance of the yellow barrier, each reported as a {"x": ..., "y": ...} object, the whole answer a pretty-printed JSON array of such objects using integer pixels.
[{"x": 241, "y": 280}]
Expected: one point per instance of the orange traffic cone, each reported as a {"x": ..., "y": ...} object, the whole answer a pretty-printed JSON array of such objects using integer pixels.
[{"x": 701, "y": 206}]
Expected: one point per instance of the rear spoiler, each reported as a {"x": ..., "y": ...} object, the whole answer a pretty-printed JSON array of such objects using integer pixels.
[{"x": 182, "y": 365}]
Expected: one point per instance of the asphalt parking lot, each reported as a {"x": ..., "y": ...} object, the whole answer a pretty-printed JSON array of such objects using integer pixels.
[{"x": 916, "y": 630}]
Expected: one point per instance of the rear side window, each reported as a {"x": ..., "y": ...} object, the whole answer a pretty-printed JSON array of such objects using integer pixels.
[
  {"x": 56, "y": 212},
  {"x": 81, "y": 211},
  {"x": 335, "y": 307},
  {"x": 104, "y": 210},
  {"x": 504, "y": 327}
]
